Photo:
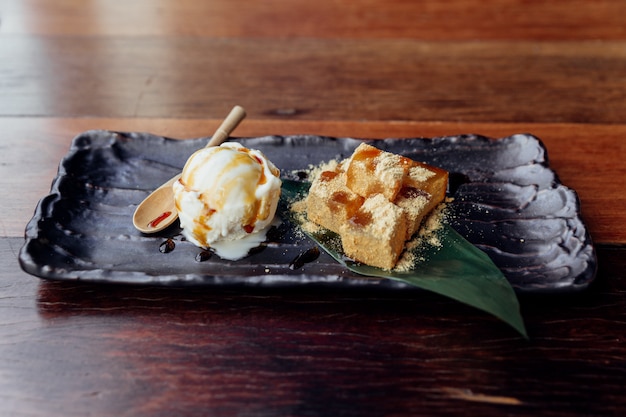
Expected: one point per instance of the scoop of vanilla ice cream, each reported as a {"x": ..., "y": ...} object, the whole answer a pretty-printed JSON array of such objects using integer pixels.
[{"x": 226, "y": 193}]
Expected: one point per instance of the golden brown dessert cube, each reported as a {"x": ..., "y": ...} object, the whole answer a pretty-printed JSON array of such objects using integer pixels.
[
  {"x": 424, "y": 188},
  {"x": 372, "y": 171},
  {"x": 415, "y": 204},
  {"x": 428, "y": 178},
  {"x": 376, "y": 233},
  {"x": 330, "y": 203}
]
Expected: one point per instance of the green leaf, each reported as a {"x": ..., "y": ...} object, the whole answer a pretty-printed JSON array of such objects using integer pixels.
[{"x": 454, "y": 268}]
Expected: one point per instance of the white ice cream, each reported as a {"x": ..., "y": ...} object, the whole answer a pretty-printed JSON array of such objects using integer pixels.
[{"x": 226, "y": 198}]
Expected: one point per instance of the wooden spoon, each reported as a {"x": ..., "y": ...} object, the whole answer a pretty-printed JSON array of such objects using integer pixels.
[{"x": 158, "y": 210}]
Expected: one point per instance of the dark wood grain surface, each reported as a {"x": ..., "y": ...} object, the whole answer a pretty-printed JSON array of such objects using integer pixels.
[
  {"x": 341, "y": 79},
  {"x": 368, "y": 69},
  {"x": 77, "y": 349}
]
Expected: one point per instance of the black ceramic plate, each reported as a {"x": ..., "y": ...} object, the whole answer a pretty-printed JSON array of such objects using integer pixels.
[{"x": 507, "y": 201}]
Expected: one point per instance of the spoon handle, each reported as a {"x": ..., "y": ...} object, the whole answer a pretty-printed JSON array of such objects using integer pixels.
[{"x": 236, "y": 115}]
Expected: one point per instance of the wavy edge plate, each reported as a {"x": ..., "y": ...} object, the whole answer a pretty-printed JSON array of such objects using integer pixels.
[{"x": 475, "y": 188}]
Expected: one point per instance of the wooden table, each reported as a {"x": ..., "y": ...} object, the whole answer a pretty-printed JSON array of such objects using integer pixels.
[{"x": 372, "y": 69}]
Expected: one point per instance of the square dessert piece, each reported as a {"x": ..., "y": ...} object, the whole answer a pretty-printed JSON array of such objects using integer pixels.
[
  {"x": 376, "y": 233},
  {"x": 372, "y": 171},
  {"x": 330, "y": 203},
  {"x": 428, "y": 178},
  {"x": 415, "y": 204},
  {"x": 423, "y": 189}
]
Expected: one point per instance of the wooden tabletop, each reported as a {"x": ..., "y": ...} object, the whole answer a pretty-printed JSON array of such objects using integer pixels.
[{"x": 364, "y": 69}]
